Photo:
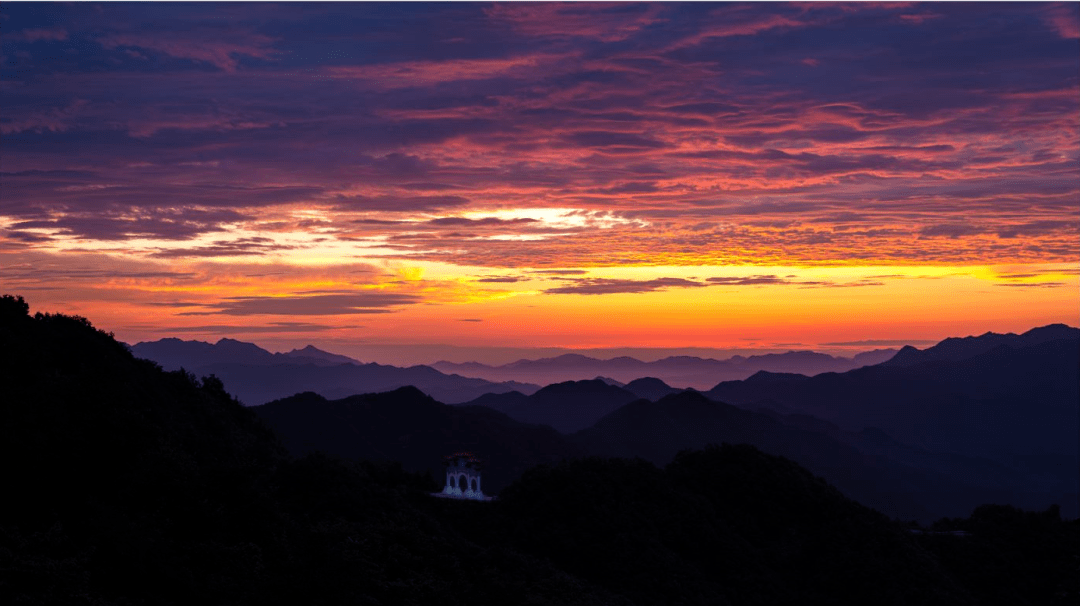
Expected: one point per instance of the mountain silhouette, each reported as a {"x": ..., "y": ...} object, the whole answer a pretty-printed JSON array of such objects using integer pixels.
[
  {"x": 408, "y": 426},
  {"x": 568, "y": 407},
  {"x": 701, "y": 373},
  {"x": 657, "y": 431},
  {"x": 1004, "y": 399},
  {"x": 650, "y": 388},
  {"x": 311, "y": 352},
  {"x": 961, "y": 348},
  {"x": 257, "y": 376}
]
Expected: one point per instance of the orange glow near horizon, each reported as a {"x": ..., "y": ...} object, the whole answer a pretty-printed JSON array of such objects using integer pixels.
[{"x": 831, "y": 309}]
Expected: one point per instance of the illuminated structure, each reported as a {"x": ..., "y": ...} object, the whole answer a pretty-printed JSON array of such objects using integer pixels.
[{"x": 463, "y": 477}]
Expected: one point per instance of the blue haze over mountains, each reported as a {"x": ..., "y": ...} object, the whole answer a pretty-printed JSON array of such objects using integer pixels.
[
  {"x": 256, "y": 376},
  {"x": 242, "y": 366},
  {"x": 921, "y": 435},
  {"x": 683, "y": 371}
]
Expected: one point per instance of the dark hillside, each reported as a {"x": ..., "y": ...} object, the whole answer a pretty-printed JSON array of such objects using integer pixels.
[
  {"x": 657, "y": 431},
  {"x": 131, "y": 485},
  {"x": 409, "y": 427},
  {"x": 724, "y": 525}
]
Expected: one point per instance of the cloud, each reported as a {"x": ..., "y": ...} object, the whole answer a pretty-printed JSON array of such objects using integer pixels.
[
  {"x": 950, "y": 230},
  {"x": 273, "y": 327},
  {"x": 500, "y": 279},
  {"x": 737, "y": 21},
  {"x": 38, "y": 120},
  {"x": 608, "y": 286},
  {"x": 748, "y": 280},
  {"x": 607, "y": 22},
  {"x": 46, "y": 33},
  {"x": 1032, "y": 284},
  {"x": 485, "y": 222},
  {"x": 427, "y": 73},
  {"x": 360, "y": 302},
  {"x": 392, "y": 203},
  {"x": 224, "y": 248},
  {"x": 1037, "y": 228},
  {"x": 697, "y": 126},
  {"x": 609, "y": 139},
  {"x": 1063, "y": 18},
  {"x": 772, "y": 279},
  {"x": 560, "y": 272},
  {"x": 166, "y": 224},
  {"x": 217, "y": 47}
]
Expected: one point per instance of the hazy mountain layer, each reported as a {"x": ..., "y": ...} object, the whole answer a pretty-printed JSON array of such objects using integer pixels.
[
  {"x": 1008, "y": 398},
  {"x": 906, "y": 484},
  {"x": 681, "y": 371},
  {"x": 257, "y": 376}
]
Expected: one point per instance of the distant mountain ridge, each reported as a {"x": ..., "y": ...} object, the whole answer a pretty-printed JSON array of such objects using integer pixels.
[
  {"x": 960, "y": 348},
  {"x": 257, "y": 376},
  {"x": 1011, "y": 399},
  {"x": 683, "y": 371},
  {"x": 172, "y": 353}
]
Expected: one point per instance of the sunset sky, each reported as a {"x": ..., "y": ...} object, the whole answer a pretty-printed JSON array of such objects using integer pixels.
[{"x": 371, "y": 178}]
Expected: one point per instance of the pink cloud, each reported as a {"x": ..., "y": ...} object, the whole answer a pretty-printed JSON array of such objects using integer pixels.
[
  {"x": 1064, "y": 19},
  {"x": 731, "y": 23},
  {"x": 919, "y": 18},
  {"x": 53, "y": 120},
  {"x": 217, "y": 48},
  {"x": 423, "y": 73},
  {"x": 609, "y": 22},
  {"x": 53, "y": 33}
]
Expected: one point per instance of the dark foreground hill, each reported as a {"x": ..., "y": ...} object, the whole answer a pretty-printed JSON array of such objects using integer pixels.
[
  {"x": 126, "y": 484},
  {"x": 411, "y": 428}
]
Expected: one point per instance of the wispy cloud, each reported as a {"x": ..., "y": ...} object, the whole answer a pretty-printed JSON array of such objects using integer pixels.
[
  {"x": 220, "y": 47},
  {"x": 607, "y": 286},
  {"x": 370, "y": 302}
]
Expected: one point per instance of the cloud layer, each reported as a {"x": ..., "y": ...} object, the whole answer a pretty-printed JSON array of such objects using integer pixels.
[{"x": 531, "y": 140}]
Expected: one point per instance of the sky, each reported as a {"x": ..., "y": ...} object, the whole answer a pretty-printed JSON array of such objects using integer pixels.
[{"x": 406, "y": 182}]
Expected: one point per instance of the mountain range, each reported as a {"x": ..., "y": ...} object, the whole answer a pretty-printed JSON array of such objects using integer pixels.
[
  {"x": 683, "y": 371},
  {"x": 255, "y": 375},
  {"x": 1011, "y": 397},
  {"x": 244, "y": 367},
  {"x": 159, "y": 487},
  {"x": 925, "y": 434}
]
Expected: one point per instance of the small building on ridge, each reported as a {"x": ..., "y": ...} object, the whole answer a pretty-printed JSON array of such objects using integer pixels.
[{"x": 463, "y": 477}]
